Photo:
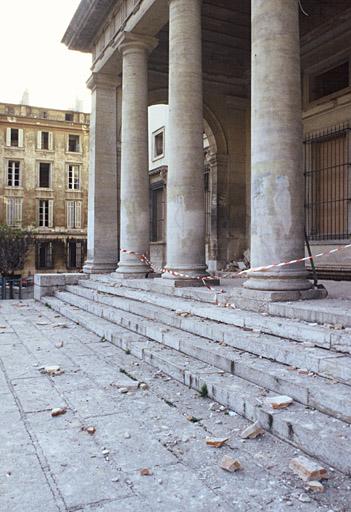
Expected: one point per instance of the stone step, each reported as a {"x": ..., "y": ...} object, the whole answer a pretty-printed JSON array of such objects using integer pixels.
[
  {"x": 336, "y": 312},
  {"x": 318, "y": 435},
  {"x": 312, "y": 391},
  {"x": 324, "y": 362},
  {"x": 321, "y": 336}
]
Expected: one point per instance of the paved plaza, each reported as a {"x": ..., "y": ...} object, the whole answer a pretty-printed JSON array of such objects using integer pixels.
[{"x": 54, "y": 464}]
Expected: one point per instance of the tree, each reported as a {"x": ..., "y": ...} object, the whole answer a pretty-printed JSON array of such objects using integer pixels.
[{"x": 14, "y": 247}]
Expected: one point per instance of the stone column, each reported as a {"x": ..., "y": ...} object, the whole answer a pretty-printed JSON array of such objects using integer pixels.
[
  {"x": 134, "y": 216},
  {"x": 185, "y": 186},
  {"x": 102, "y": 254},
  {"x": 277, "y": 187}
]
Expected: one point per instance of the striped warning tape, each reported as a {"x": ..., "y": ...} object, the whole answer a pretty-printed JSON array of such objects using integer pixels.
[{"x": 206, "y": 279}]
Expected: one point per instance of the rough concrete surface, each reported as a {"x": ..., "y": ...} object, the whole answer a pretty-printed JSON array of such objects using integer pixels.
[{"x": 53, "y": 464}]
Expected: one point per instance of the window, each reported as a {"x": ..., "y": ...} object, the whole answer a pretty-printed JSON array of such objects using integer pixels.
[
  {"x": 44, "y": 114},
  {"x": 14, "y": 137},
  {"x": 45, "y": 213},
  {"x": 13, "y": 207},
  {"x": 44, "y": 255},
  {"x": 69, "y": 116},
  {"x": 158, "y": 144},
  {"x": 328, "y": 184},
  {"x": 44, "y": 141},
  {"x": 73, "y": 143},
  {"x": 44, "y": 175},
  {"x": 157, "y": 220},
  {"x": 13, "y": 173},
  {"x": 74, "y": 254},
  {"x": 330, "y": 81},
  {"x": 74, "y": 214},
  {"x": 73, "y": 177}
]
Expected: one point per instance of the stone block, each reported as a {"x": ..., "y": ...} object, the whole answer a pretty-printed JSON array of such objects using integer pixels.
[{"x": 307, "y": 469}]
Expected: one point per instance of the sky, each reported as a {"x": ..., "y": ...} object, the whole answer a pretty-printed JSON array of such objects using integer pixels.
[{"x": 33, "y": 58}]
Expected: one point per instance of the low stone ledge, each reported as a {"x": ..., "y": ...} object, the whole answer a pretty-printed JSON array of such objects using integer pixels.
[{"x": 48, "y": 284}]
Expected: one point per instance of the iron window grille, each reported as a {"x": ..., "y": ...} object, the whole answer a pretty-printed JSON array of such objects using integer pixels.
[{"x": 327, "y": 171}]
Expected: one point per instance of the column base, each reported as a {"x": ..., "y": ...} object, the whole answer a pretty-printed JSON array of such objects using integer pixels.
[
  {"x": 90, "y": 267},
  {"x": 287, "y": 280},
  {"x": 174, "y": 282},
  {"x": 283, "y": 295}
]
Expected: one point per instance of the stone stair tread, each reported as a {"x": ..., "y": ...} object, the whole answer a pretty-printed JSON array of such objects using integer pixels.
[
  {"x": 311, "y": 391},
  {"x": 323, "y": 437},
  {"x": 333, "y": 311},
  {"x": 294, "y": 329},
  {"x": 280, "y": 349}
]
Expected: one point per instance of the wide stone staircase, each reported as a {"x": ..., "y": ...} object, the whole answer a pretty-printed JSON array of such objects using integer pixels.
[{"x": 238, "y": 357}]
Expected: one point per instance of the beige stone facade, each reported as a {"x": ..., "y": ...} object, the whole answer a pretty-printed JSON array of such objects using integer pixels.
[
  {"x": 231, "y": 70},
  {"x": 44, "y": 182}
]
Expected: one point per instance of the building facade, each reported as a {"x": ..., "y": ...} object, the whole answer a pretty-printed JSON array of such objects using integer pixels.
[
  {"x": 278, "y": 145},
  {"x": 44, "y": 182}
]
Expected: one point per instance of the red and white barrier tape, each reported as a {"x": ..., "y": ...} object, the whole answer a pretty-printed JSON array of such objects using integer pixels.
[{"x": 206, "y": 279}]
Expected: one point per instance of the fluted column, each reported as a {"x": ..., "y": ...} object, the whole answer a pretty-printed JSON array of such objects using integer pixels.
[
  {"x": 277, "y": 190},
  {"x": 134, "y": 216},
  {"x": 185, "y": 187},
  {"x": 102, "y": 254}
]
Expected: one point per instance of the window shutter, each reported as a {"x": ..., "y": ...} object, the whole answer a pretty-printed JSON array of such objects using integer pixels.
[
  {"x": 51, "y": 213},
  {"x": 8, "y": 136},
  {"x": 70, "y": 214},
  {"x": 18, "y": 211},
  {"x": 20, "y": 138},
  {"x": 78, "y": 254},
  {"x": 51, "y": 141},
  {"x": 78, "y": 215},
  {"x": 38, "y": 215},
  {"x": 49, "y": 256},
  {"x": 7, "y": 208},
  {"x": 39, "y": 140}
]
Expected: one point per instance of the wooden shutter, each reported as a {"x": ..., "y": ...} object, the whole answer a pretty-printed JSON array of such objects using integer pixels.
[
  {"x": 51, "y": 141},
  {"x": 79, "y": 254},
  {"x": 8, "y": 136},
  {"x": 39, "y": 140},
  {"x": 18, "y": 211},
  {"x": 20, "y": 138},
  {"x": 70, "y": 214},
  {"x": 51, "y": 213},
  {"x": 78, "y": 215}
]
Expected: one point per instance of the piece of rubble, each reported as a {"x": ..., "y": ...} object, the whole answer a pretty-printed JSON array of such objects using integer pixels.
[
  {"x": 123, "y": 391},
  {"x": 91, "y": 430},
  {"x": 303, "y": 371},
  {"x": 216, "y": 442},
  {"x": 315, "y": 486},
  {"x": 145, "y": 472},
  {"x": 43, "y": 323},
  {"x": 307, "y": 469},
  {"x": 229, "y": 464},
  {"x": 279, "y": 402},
  {"x": 183, "y": 313},
  {"x": 134, "y": 386},
  {"x": 127, "y": 435},
  {"x": 252, "y": 431},
  {"x": 57, "y": 411},
  {"x": 143, "y": 386},
  {"x": 52, "y": 371},
  {"x": 304, "y": 498},
  {"x": 59, "y": 344}
]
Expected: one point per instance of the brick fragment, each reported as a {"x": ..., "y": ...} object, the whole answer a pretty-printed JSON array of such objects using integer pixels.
[
  {"x": 252, "y": 431},
  {"x": 315, "y": 486},
  {"x": 307, "y": 469},
  {"x": 216, "y": 442},
  {"x": 229, "y": 464},
  {"x": 58, "y": 411},
  {"x": 279, "y": 402}
]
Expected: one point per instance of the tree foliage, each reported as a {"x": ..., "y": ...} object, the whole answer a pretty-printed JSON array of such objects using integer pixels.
[{"x": 14, "y": 247}]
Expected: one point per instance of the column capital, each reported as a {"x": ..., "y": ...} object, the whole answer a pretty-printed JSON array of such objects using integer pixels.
[
  {"x": 131, "y": 41},
  {"x": 102, "y": 80}
]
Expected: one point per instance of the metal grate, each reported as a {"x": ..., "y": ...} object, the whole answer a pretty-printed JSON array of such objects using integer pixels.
[{"x": 328, "y": 184}]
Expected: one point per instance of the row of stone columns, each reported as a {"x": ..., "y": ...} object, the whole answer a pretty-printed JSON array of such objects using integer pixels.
[{"x": 277, "y": 179}]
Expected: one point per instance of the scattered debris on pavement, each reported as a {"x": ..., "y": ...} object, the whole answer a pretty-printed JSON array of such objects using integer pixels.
[
  {"x": 229, "y": 464},
  {"x": 216, "y": 442},
  {"x": 52, "y": 371},
  {"x": 307, "y": 469},
  {"x": 279, "y": 402},
  {"x": 58, "y": 411},
  {"x": 252, "y": 431}
]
